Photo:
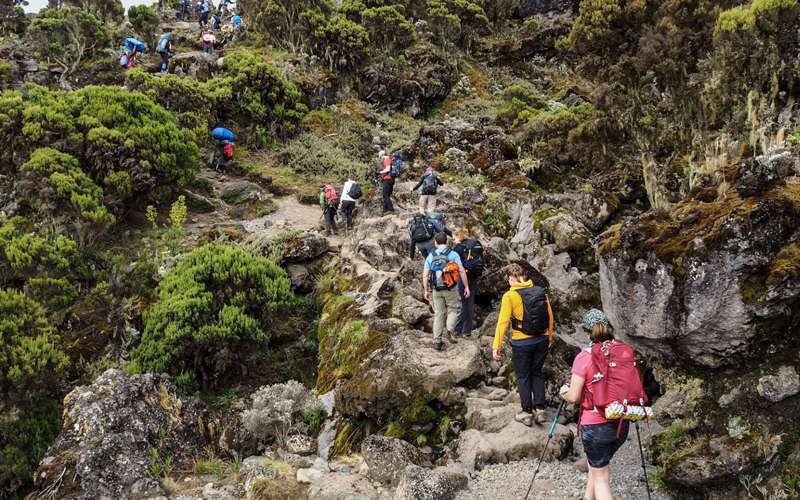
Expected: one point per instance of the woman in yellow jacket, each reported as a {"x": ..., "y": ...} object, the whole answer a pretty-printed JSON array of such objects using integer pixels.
[{"x": 531, "y": 336}]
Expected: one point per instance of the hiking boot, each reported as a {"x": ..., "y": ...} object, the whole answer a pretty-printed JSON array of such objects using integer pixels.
[
  {"x": 524, "y": 418},
  {"x": 539, "y": 416},
  {"x": 452, "y": 336},
  {"x": 439, "y": 345}
]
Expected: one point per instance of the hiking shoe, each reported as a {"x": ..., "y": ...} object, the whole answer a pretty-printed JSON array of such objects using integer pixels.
[
  {"x": 524, "y": 418},
  {"x": 539, "y": 416},
  {"x": 439, "y": 346}
]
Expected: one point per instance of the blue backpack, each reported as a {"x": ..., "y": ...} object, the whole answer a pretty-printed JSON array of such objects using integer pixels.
[{"x": 397, "y": 165}]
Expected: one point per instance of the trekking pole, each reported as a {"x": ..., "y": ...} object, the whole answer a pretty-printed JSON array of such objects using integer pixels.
[
  {"x": 549, "y": 437},
  {"x": 641, "y": 452}
]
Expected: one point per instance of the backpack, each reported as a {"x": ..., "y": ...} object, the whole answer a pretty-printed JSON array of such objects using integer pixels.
[
  {"x": 443, "y": 271},
  {"x": 355, "y": 191},
  {"x": 472, "y": 256},
  {"x": 227, "y": 150},
  {"x": 162, "y": 44},
  {"x": 396, "y": 166},
  {"x": 331, "y": 198},
  {"x": 123, "y": 60},
  {"x": 430, "y": 184},
  {"x": 616, "y": 382},
  {"x": 422, "y": 229},
  {"x": 535, "y": 317}
]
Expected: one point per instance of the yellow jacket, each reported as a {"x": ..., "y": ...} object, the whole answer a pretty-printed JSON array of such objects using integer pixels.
[{"x": 512, "y": 306}]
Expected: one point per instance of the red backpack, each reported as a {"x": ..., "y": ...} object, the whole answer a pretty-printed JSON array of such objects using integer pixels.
[
  {"x": 616, "y": 378},
  {"x": 330, "y": 195},
  {"x": 227, "y": 150}
]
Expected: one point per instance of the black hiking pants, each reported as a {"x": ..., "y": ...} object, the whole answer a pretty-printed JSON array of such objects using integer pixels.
[
  {"x": 467, "y": 316},
  {"x": 330, "y": 219},
  {"x": 528, "y": 361},
  {"x": 388, "y": 189},
  {"x": 347, "y": 208}
]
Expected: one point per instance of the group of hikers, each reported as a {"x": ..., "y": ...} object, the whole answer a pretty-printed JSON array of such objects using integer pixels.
[
  {"x": 223, "y": 20},
  {"x": 451, "y": 270}
]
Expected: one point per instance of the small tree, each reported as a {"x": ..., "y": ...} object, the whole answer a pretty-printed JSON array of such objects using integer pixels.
[
  {"x": 107, "y": 10},
  {"x": 342, "y": 42},
  {"x": 287, "y": 23},
  {"x": 144, "y": 20},
  {"x": 67, "y": 36},
  {"x": 388, "y": 28},
  {"x": 216, "y": 311}
]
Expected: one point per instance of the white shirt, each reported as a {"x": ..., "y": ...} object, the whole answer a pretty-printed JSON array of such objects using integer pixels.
[{"x": 346, "y": 190}]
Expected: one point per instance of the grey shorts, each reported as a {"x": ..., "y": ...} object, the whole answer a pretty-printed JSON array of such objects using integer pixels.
[{"x": 600, "y": 442}]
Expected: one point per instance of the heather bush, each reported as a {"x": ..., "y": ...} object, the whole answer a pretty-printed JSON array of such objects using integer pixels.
[
  {"x": 215, "y": 315},
  {"x": 388, "y": 28},
  {"x": 109, "y": 130},
  {"x": 32, "y": 367},
  {"x": 144, "y": 20},
  {"x": 25, "y": 255}
]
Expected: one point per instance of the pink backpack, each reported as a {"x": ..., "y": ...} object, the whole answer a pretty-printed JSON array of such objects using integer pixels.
[{"x": 616, "y": 378}]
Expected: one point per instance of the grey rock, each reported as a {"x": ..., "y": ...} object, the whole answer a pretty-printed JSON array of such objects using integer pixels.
[
  {"x": 566, "y": 232},
  {"x": 301, "y": 444},
  {"x": 326, "y": 439},
  {"x": 291, "y": 248},
  {"x": 255, "y": 468},
  {"x": 308, "y": 476},
  {"x": 240, "y": 192},
  {"x": 199, "y": 203},
  {"x": 338, "y": 486},
  {"x": 441, "y": 483},
  {"x": 411, "y": 310},
  {"x": 110, "y": 428},
  {"x": 782, "y": 385},
  {"x": 388, "y": 457}
]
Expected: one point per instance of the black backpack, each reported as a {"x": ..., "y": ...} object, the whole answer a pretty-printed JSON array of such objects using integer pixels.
[
  {"x": 471, "y": 252},
  {"x": 355, "y": 191},
  {"x": 535, "y": 318},
  {"x": 430, "y": 184},
  {"x": 421, "y": 229}
]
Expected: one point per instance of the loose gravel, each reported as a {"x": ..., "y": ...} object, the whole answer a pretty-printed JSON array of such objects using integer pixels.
[{"x": 560, "y": 480}]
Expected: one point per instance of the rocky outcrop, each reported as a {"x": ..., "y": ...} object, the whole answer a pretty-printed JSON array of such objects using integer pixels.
[
  {"x": 441, "y": 483},
  {"x": 784, "y": 384},
  {"x": 406, "y": 368},
  {"x": 337, "y": 486},
  {"x": 387, "y": 458},
  {"x": 706, "y": 284},
  {"x": 528, "y": 8},
  {"x": 420, "y": 86},
  {"x": 109, "y": 433}
]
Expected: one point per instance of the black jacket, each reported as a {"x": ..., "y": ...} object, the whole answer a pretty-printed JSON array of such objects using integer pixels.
[{"x": 438, "y": 182}]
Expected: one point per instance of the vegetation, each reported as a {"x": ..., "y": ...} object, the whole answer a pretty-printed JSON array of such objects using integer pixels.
[
  {"x": 32, "y": 366},
  {"x": 144, "y": 20},
  {"x": 67, "y": 36},
  {"x": 215, "y": 314}
]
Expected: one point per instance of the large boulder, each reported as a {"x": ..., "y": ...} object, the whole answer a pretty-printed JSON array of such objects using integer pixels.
[
  {"x": 707, "y": 283},
  {"x": 337, "y": 486},
  {"x": 290, "y": 247},
  {"x": 110, "y": 430},
  {"x": 441, "y": 483},
  {"x": 405, "y": 368},
  {"x": 566, "y": 232},
  {"x": 387, "y": 458}
]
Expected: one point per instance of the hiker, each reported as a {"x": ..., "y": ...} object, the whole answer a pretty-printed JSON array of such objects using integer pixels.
[
  {"x": 440, "y": 278},
  {"x": 471, "y": 252},
  {"x": 225, "y": 147},
  {"x": 392, "y": 166},
  {"x": 601, "y": 437},
  {"x": 527, "y": 310},
  {"x": 207, "y": 40},
  {"x": 236, "y": 21},
  {"x": 203, "y": 11},
  {"x": 133, "y": 46},
  {"x": 422, "y": 230},
  {"x": 183, "y": 15},
  {"x": 216, "y": 22},
  {"x": 429, "y": 183},
  {"x": 329, "y": 201},
  {"x": 351, "y": 192},
  {"x": 164, "y": 48}
]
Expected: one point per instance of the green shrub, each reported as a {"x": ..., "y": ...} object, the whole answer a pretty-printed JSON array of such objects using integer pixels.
[
  {"x": 215, "y": 309},
  {"x": 108, "y": 130},
  {"x": 745, "y": 16},
  {"x": 60, "y": 173},
  {"x": 144, "y": 20},
  {"x": 388, "y": 28},
  {"x": 342, "y": 43},
  {"x": 312, "y": 155},
  {"x": 287, "y": 24},
  {"x": 25, "y": 255},
  {"x": 520, "y": 105},
  {"x": 32, "y": 366},
  {"x": 107, "y": 10}
]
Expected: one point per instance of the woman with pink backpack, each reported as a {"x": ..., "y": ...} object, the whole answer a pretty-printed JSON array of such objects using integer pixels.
[{"x": 607, "y": 384}]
